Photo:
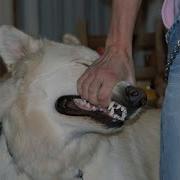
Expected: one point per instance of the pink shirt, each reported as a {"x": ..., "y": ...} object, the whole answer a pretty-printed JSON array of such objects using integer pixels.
[{"x": 170, "y": 9}]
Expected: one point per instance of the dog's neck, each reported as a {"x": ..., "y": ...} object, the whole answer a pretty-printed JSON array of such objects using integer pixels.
[{"x": 68, "y": 147}]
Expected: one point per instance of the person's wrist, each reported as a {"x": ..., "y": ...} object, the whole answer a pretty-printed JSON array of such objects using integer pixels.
[
  {"x": 119, "y": 40},
  {"x": 119, "y": 49}
]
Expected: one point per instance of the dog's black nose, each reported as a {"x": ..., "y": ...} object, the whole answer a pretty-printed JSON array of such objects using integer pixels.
[{"x": 136, "y": 97}]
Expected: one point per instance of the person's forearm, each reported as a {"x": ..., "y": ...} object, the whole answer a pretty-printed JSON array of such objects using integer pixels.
[{"x": 123, "y": 19}]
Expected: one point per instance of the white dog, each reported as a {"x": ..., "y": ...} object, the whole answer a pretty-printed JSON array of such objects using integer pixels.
[{"x": 38, "y": 143}]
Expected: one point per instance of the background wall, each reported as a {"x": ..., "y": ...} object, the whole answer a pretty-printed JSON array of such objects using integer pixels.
[
  {"x": 6, "y": 12},
  {"x": 53, "y": 18}
]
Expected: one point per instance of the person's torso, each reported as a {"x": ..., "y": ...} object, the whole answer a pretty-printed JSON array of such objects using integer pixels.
[{"x": 170, "y": 9}]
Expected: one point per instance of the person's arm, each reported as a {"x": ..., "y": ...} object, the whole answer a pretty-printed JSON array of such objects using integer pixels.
[
  {"x": 116, "y": 64},
  {"x": 124, "y": 13}
]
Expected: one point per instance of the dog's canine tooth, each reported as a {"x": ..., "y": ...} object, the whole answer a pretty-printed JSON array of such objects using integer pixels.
[
  {"x": 111, "y": 113},
  {"x": 87, "y": 105},
  {"x": 94, "y": 108},
  {"x": 123, "y": 108},
  {"x": 116, "y": 117},
  {"x": 124, "y": 114},
  {"x": 118, "y": 106},
  {"x": 111, "y": 105}
]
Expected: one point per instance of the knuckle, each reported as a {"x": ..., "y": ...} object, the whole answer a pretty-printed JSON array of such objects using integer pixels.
[
  {"x": 92, "y": 96},
  {"x": 91, "y": 91},
  {"x": 102, "y": 98},
  {"x": 92, "y": 99},
  {"x": 83, "y": 90}
]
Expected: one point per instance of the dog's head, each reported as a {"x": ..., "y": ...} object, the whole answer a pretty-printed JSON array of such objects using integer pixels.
[
  {"x": 39, "y": 72},
  {"x": 36, "y": 74}
]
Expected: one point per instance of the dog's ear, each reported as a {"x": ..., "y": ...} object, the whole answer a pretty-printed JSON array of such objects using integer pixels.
[
  {"x": 14, "y": 45},
  {"x": 70, "y": 39}
]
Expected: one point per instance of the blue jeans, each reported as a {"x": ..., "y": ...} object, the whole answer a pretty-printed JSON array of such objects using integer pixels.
[{"x": 170, "y": 119}]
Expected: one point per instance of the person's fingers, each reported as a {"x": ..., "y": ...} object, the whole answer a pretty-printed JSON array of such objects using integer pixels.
[
  {"x": 93, "y": 90},
  {"x": 107, "y": 71},
  {"x": 105, "y": 93},
  {"x": 85, "y": 86},
  {"x": 80, "y": 81}
]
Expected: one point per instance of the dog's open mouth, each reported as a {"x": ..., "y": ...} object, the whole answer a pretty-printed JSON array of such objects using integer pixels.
[
  {"x": 112, "y": 117},
  {"x": 126, "y": 101}
]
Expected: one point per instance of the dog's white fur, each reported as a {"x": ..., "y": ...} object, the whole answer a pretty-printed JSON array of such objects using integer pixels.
[{"x": 48, "y": 146}]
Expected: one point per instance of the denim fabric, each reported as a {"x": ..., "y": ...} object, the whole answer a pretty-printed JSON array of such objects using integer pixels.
[{"x": 170, "y": 119}]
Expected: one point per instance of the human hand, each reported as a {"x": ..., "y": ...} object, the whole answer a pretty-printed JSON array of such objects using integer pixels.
[{"x": 97, "y": 82}]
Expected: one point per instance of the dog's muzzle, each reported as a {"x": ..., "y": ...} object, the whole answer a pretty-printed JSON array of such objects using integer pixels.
[{"x": 126, "y": 101}]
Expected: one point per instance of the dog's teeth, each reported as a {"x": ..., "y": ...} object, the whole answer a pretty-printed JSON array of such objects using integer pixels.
[
  {"x": 94, "y": 108},
  {"x": 78, "y": 101},
  {"x": 122, "y": 108},
  {"x": 119, "y": 106},
  {"x": 115, "y": 116},
  {"x": 88, "y": 105},
  {"x": 84, "y": 101},
  {"x": 111, "y": 105},
  {"x": 124, "y": 114},
  {"x": 101, "y": 109},
  {"x": 112, "y": 110},
  {"x": 111, "y": 113}
]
